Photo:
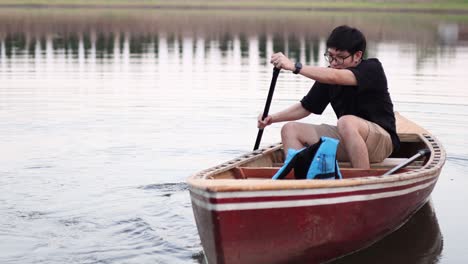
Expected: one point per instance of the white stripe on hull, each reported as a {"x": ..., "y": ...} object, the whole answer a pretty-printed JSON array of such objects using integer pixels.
[{"x": 306, "y": 202}]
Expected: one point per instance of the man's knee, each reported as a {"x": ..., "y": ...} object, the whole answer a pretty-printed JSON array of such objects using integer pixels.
[
  {"x": 305, "y": 134},
  {"x": 289, "y": 129},
  {"x": 350, "y": 127},
  {"x": 347, "y": 125}
]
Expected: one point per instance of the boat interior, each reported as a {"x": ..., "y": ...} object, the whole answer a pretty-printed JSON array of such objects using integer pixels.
[{"x": 264, "y": 164}]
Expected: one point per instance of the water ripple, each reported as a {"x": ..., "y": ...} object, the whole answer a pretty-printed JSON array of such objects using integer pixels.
[
  {"x": 460, "y": 160},
  {"x": 167, "y": 189}
]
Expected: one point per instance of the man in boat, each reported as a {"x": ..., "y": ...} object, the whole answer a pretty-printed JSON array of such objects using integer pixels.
[{"x": 357, "y": 90}]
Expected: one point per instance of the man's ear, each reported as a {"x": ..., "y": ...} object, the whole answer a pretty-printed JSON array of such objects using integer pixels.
[{"x": 358, "y": 56}]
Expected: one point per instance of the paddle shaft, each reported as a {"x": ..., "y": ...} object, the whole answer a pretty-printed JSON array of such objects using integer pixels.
[
  {"x": 420, "y": 153},
  {"x": 276, "y": 72}
]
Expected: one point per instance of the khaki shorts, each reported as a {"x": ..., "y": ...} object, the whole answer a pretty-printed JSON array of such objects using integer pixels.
[{"x": 378, "y": 141}]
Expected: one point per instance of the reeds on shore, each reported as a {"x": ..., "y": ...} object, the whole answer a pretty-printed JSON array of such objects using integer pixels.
[{"x": 456, "y": 6}]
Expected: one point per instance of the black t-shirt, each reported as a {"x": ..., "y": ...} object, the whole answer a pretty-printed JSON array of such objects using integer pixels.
[{"x": 369, "y": 99}]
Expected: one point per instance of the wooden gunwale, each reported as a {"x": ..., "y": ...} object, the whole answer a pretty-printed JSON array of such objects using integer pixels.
[{"x": 205, "y": 180}]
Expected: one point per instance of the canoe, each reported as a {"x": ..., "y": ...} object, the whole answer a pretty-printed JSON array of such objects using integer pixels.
[{"x": 244, "y": 217}]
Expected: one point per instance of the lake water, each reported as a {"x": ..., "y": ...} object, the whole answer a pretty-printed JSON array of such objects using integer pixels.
[{"x": 105, "y": 113}]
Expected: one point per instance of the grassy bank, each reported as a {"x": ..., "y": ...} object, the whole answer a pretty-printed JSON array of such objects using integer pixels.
[{"x": 361, "y": 5}]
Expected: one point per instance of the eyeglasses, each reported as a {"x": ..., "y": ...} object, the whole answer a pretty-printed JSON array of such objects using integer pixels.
[{"x": 339, "y": 60}]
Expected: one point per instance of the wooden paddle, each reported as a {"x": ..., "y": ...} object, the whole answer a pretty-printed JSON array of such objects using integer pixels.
[
  {"x": 276, "y": 72},
  {"x": 421, "y": 153}
]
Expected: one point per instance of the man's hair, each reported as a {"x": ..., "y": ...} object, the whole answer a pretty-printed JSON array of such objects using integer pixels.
[{"x": 346, "y": 38}]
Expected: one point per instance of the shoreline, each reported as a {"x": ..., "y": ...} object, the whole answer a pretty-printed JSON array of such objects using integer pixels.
[{"x": 226, "y": 7}]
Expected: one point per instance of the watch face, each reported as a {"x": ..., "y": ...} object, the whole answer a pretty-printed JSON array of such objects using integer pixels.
[{"x": 298, "y": 67}]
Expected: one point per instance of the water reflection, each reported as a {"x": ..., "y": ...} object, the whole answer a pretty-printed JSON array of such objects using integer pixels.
[
  {"x": 112, "y": 46},
  {"x": 104, "y": 34},
  {"x": 99, "y": 47},
  {"x": 419, "y": 241}
]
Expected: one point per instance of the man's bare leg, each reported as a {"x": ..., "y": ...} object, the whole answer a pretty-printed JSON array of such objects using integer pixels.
[
  {"x": 353, "y": 132},
  {"x": 296, "y": 135}
]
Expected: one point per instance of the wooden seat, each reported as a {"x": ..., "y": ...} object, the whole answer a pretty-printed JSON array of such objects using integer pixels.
[
  {"x": 268, "y": 172},
  {"x": 388, "y": 163}
]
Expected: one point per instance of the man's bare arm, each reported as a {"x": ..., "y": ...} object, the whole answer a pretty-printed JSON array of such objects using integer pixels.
[{"x": 294, "y": 112}]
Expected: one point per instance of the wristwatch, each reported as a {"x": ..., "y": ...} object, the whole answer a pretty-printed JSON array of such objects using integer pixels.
[{"x": 298, "y": 67}]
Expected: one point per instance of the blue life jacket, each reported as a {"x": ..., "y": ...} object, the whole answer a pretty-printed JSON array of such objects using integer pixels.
[{"x": 314, "y": 162}]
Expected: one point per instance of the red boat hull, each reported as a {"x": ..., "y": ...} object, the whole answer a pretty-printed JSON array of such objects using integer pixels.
[{"x": 302, "y": 226}]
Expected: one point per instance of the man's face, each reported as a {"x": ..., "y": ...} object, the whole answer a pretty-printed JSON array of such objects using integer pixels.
[{"x": 339, "y": 59}]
